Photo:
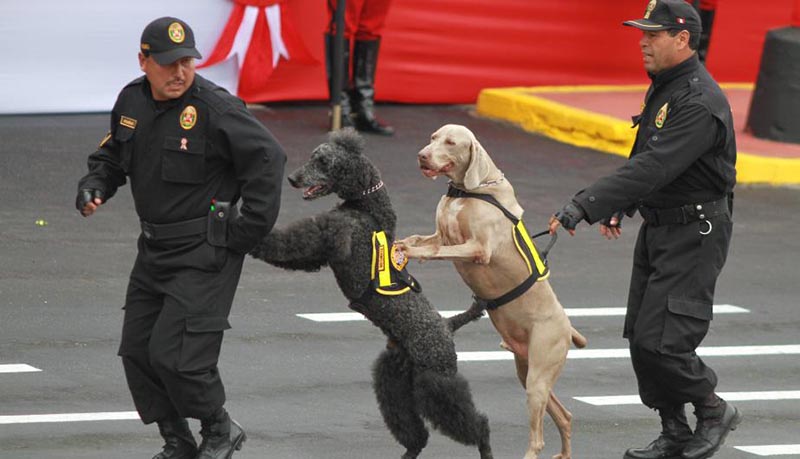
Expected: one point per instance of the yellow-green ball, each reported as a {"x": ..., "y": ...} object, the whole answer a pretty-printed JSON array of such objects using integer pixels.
[{"x": 41, "y": 222}]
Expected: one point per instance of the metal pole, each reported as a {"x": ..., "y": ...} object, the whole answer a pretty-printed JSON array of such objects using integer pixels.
[{"x": 337, "y": 68}]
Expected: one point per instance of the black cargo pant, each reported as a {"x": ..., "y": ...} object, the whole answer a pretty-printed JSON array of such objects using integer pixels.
[
  {"x": 675, "y": 270},
  {"x": 176, "y": 310}
]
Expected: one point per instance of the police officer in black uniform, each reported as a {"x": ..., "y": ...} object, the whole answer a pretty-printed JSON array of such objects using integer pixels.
[
  {"x": 191, "y": 151},
  {"x": 680, "y": 176}
]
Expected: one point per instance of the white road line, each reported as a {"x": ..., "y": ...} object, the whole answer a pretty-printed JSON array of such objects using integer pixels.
[
  {"x": 70, "y": 417},
  {"x": 730, "y": 396},
  {"x": 572, "y": 312},
  {"x": 711, "y": 351},
  {"x": 17, "y": 368},
  {"x": 770, "y": 450}
]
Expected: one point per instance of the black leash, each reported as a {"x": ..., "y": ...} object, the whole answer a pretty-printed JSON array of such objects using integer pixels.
[{"x": 553, "y": 239}]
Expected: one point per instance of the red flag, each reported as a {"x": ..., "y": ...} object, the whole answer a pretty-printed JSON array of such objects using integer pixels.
[{"x": 261, "y": 35}]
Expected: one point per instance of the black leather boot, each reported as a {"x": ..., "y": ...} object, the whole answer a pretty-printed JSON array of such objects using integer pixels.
[
  {"x": 675, "y": 434},
  {"x": 178, "y": 440},
  {"x": 365, "y": 62},
  {"x": 222, "y": 436},
  {"x": 346, "y": 118},
  {"x": 715, "y": 419}
]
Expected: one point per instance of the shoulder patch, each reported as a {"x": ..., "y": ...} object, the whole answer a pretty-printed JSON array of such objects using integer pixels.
[{"x": 127, "y": 122}]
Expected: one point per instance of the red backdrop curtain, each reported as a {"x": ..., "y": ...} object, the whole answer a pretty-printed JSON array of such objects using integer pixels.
[{"x": 446, "y": 51}]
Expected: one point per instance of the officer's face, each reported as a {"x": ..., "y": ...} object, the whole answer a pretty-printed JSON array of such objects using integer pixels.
[
  {"x": 168, "y": 81},
  {"x": 661, "y": 51}
]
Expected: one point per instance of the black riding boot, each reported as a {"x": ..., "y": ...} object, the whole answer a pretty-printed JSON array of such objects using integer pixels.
[
  {"x": 221, "y": 436},
  {"x": 715, "y": 419},
  {"x": 365, "y": 62},
  {"x": 675, "y": 434},
  {"x": 346, "y": 119},
  {"x": 178, "y": 440}
]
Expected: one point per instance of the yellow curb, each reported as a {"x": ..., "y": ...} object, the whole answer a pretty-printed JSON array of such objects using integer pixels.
[{"x": 605, "y": 133}]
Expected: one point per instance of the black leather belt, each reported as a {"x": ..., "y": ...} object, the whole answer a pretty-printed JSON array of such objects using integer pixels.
[
  {"x": 157, "y": 232},
  {"x": 685, "y": 214}
]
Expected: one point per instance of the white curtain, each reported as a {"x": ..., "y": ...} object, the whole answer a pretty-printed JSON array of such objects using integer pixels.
[{"x": 62, "y": 56}]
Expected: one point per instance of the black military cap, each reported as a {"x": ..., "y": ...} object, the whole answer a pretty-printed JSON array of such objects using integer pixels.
[
  {"x": 668, "y": 14},
  {"x": 168, "y": 39}
]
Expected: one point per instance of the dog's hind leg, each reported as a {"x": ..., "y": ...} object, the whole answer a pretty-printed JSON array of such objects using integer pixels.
[
  {"x": 563, "y": 419},
  {"x": 560, "y": 415},
  {"x": 392, "y": 381},
  {"x": 547, "y": 352},
  {"x": 446, "y": 401}
]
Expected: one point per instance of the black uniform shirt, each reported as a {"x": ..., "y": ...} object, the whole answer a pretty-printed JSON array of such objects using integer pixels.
[
  {"x": 685, "y": 149},
  {"x": 182, "y": 153}
]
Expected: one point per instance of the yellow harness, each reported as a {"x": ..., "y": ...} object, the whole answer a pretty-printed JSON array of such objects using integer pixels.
[{"x": 389, "y": 275}]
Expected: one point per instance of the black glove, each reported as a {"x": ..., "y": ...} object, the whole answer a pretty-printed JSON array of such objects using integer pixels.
[
  {"x": 86, "y": 196},
  {"x": 607, "y": 221},
  {"x": 570, "y": 216}
]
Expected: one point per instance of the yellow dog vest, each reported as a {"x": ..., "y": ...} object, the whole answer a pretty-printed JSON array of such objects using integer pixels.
[{"x": 389, "y": 275}]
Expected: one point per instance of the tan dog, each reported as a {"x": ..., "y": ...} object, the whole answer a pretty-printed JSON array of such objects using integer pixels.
[{"x": 477, "y": 237}]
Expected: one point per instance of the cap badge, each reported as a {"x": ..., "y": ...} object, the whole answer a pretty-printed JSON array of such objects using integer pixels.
[
  {"x": 399, "y": 259},
  {"x": 650, "y": 7},
  {"x": 188, "y": 117},
  {"x": 662, "y": 115},
  {"x": 176, "y": 32},
  {"x": 185, "y": 144}
]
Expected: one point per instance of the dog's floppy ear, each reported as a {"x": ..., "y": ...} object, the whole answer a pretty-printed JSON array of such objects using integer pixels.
[{"x": 478, "y": 167}]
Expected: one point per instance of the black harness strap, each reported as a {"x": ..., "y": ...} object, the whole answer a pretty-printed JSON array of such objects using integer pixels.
[
  {"x": 517, "y": 291},
  {"x": 454, "y": 192}
]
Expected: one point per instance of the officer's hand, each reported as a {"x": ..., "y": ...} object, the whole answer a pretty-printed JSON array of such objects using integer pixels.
[
  {"x": 611, "y": 227},
  {"x": 568, "y": 217},
  {"x": 88, "y": 201}
]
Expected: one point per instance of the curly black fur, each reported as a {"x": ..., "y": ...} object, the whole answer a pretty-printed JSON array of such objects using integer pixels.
[{"x": 416, "y": 377}]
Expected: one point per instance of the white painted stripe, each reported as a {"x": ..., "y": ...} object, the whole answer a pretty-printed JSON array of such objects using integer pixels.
[
  {"x": 17, "y": 368},
  {"x": 70, "y": 417},
  {"x": 770, "y": 450},
  {"x": 730, "y": 396},
  {"x": 711, "y": 351},
  {"x": 333, "y": 317},
  {"x": 572, "y": 312}
]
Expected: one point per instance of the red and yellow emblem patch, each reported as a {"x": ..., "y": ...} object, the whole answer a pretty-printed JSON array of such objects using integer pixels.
[
  {"x": 188, "y": 117},
  {"x": 176, "y": 32},
  {"x": 662, "y": 115}
]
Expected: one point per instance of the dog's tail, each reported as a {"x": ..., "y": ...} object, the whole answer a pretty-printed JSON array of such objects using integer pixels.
[
  {"x": 578, "y": 340},
  {"x": 474, "y": 312}
]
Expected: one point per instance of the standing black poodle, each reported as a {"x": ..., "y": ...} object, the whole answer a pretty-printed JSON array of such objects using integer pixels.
[{"x": 416, "y": 376}]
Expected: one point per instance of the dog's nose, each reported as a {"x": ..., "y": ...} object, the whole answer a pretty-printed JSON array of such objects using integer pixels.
[
  {"x": 424, "y": 154},
  {"x": 293, "y": 180}
]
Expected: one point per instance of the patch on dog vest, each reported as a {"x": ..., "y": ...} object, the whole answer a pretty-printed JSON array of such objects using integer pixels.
[{"x": 389, "y": 275}]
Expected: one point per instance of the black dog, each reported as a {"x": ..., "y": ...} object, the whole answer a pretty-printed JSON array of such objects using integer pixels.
[{"x": 416, "y": 376}]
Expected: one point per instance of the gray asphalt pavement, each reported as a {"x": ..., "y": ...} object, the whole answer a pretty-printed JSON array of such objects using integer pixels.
[{"x": 302, "y": 388}]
